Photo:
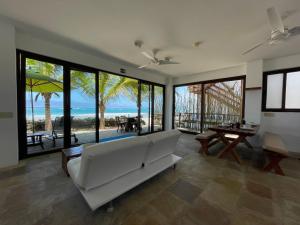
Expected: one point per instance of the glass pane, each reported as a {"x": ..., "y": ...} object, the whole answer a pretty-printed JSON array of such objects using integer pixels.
[
  {"x": 118, "y": 106},
  {"x": 274, "y": 91},
  {"x": 292, "y": 99},
  {"x": 188, "y": 107},
  {"x": 158, "y": 108},
  {"x": 146, "y": 109},
  {"x": 83, "y": 107},
  {"x": 223, "y": 103},
  {"x": 44, "y": 106}
]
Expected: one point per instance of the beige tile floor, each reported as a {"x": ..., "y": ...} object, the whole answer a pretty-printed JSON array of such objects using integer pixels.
[{"x": 201, "y": 190}]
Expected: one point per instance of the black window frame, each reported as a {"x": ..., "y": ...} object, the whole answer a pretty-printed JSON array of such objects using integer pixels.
[
  {"x": 284, "y": 72},
  {"x": 21, "y": 55},
  {"x": 241, "y": 77}
]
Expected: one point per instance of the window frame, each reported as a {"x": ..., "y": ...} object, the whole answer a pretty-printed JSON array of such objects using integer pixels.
[
  {"x": 21, "y": 55},
  {"x": 241, "y": 77},
  {"x": 284, "y": 81}
]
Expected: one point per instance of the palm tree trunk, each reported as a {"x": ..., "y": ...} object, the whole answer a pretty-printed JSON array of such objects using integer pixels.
[
  {"x": 48, "y": 123},
  {"x": 102, "y": 111}
]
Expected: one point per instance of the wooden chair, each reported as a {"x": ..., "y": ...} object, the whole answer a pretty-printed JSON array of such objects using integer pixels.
[
  {"x": 58, "y": 130},
  {"x": 121, "y": 123}
]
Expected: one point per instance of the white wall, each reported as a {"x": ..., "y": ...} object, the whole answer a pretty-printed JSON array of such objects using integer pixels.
[
  {"x": 8, "y": 97},
  {"x": 282, "y": 63},
  {"x": 284, "y": 123},
  {"x": 211, "y": 75},
  {"x": 252, "y": 70},
  {"x": 253, "y": 106},
  {"x": 253, "y": 97},
  {"x": 59, "y": 49},
  {"x": 254, "y": 73},
  {"x": 10, "y": 40},
  {"x": 289, "y": 123}
]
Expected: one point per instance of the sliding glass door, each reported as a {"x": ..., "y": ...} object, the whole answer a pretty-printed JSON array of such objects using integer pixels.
[
  {"x": 118, "y": 106},
  {"x": 61, "y": 104},
  {"x": 158, "y": 110},
  {"x": 152, "y": 108},
  {"x": 44, "y": 94},
  {"x": 83, "y": 107},
  {"x": 188, "y": 113},
  {"x": 223, "y": 103},
  {"x": 199, "y": 106},
  {"x": 146, "y": 108}
]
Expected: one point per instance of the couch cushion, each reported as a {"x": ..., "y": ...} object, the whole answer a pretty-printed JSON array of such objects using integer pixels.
[
  {"x": 104, "y": 162},
  {"x": 162, "y": 144}
]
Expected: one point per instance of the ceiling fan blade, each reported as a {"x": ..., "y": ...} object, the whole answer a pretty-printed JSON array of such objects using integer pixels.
[
  {"x": 294, "y": 31},
  {"x": 147, "y": 55},
  {"x": 254, "y": 47},
  {"x": 275, "y": 20}
]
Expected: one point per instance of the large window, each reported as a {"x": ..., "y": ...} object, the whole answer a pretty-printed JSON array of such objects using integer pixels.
[
  {"x": 43, "y": 105},
  {"x": 83, "y": 107},
  {"x": 62, "y": 104},
  {"x": 199, "y": 106},
  {"x": 118, "y": 106},
  {"x": 281, "y": 91},
  {"x": 152, "y": 108}
]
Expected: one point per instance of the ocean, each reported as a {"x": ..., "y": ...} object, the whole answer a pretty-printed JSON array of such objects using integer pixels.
[{"x": 39, "y": 112}]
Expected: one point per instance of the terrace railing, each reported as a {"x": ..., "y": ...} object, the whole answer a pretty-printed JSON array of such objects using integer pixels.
[{"x": 192, "y": 121}]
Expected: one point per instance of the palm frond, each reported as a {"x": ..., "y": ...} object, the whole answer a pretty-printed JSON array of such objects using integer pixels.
[{"x": 115, "y": 89}]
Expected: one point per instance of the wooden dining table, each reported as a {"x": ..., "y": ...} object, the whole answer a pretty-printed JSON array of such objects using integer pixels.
[{"x": 231, "y": 143}]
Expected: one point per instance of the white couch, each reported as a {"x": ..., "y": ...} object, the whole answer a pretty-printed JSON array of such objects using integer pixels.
[{"x": 106, "y": 170}]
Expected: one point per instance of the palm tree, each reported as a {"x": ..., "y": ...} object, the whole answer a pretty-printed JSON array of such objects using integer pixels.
[
  {"x": 47, "y": 69},
  {"x": 47, "y": 98},
  {"x": 110, "y": 86}
]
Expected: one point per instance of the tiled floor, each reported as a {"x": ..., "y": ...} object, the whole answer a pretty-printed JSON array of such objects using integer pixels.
[{"x": 202, "y": 190}]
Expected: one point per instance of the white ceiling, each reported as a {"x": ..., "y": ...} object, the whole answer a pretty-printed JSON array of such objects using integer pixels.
[{"x": 226, "y": 27}]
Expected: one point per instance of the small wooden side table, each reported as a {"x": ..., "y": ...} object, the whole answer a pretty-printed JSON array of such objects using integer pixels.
[{"x": 68, "y": 154}]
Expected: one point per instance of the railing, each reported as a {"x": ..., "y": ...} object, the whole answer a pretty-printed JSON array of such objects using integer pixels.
[{"x": 192, "y": 121}]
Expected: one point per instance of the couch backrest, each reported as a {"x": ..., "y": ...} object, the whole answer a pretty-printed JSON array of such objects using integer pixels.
[
  {"x": 162, "y": 144},
  {"x": 104, "y": 162}
]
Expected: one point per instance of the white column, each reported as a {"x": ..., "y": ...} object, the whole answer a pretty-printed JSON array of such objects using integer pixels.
[
  {"x": 253, "y": 97},
  {"x": 8, "y": 96}
]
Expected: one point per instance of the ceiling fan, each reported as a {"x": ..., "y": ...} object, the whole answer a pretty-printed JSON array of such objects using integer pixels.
[
  {"x": 155, "y": 61},
  {"x": 279, "y": 32}
]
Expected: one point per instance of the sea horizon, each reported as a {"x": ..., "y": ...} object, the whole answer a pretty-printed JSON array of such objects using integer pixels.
[{"x": 39, "y": 113}]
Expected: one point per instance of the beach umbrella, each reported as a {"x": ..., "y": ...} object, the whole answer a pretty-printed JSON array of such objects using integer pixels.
[{"x": 36, "y": 82}]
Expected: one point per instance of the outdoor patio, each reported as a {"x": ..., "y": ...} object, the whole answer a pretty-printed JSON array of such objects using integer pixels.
[{"x": 86, "y": 136}]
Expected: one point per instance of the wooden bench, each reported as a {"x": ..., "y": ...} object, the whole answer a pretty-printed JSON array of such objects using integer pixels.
[
  {"x": 276, "y": 150},
  {"x": 207, "y": 139}
]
